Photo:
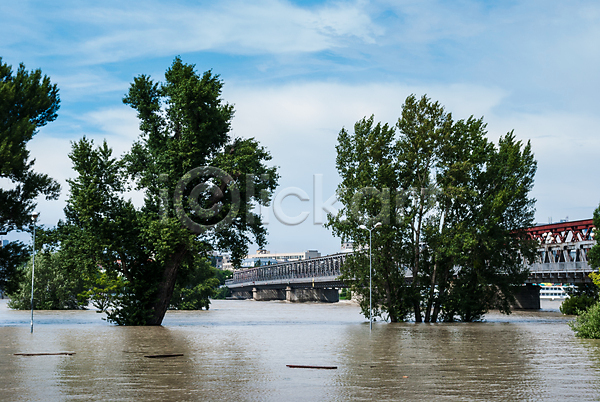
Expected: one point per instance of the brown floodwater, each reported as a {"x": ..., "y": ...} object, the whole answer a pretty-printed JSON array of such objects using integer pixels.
[{"x": 238, "y": 351}]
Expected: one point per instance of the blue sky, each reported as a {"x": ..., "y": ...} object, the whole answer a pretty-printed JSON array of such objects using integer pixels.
[{"x": 297, "y": 72}]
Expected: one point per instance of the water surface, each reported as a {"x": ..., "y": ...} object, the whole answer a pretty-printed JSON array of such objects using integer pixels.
[{"x": 238, "y": 350}]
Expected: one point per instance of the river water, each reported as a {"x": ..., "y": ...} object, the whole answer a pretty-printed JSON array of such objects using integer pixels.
[{"x": 238, "y": 351}]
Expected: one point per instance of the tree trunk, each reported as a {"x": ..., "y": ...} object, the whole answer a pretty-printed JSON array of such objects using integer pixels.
[
  {"x": 166, "y": 286},
  {"x": 441, "y": 290},
  {"x": 431, "y": 293}
]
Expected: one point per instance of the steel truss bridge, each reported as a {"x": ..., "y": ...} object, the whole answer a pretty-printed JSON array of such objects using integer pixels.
[
  {"x": 563, "y": 251},
  {"x": 562, "y": 258}
]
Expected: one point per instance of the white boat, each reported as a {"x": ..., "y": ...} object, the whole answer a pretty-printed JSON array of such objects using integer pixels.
[{"x": 553, "y": 292}]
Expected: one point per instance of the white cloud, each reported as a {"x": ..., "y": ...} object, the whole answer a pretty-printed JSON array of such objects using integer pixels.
[
  {"x": 119, "y": 125},
  {"x": 85, "y": 84},
  {"x": 565, "y": 146},
  {"x": 118, "y": 31}
]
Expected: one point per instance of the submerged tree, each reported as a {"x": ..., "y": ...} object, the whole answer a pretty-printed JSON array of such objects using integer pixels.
[
  {"x": 55, "y": 287},
  {"x": 28, "y": 101},
  {"x": 368, "y": 164},
  {"x": 185, "y": 148},
  {"x": 587, "y": 324},
  {"x": 453, "y": 205}
]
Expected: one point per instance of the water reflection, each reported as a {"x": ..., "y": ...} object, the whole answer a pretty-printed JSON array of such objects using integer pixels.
[{"x": 238, "y": 350}]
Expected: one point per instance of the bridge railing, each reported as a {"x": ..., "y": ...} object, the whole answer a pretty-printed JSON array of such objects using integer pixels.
[
  {"x": 329, "y": 266},
  {"x": 315, "y": 267},
  {"x": 572, "y": 266}
]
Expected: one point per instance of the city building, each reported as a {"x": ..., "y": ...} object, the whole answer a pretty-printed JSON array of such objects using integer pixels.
[
  {"x": 285, "y": 257},
  {"x": 265, "y": 257},
  {"x": 258, "y": 262}
]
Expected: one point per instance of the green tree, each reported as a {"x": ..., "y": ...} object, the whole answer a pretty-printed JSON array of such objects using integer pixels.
[
  {"x": 28, "y": 101},
  {"x": 223, "y": 291},
  {"x": 12, "y": 256},
  {"x": 55, "y": 287},
  {"x": 577, "y": 304},
  {"x": 367, "y": 161},
  {"x": 192, "y": 291},
  {"x": 594, "y": 253},
  {"x": 185, "y": 125},
  {"x": 587, "y": 324},
  {"x": 453, "y": 208},
  {"x": 104, "y": 291},
  {"x": 483, "y": 238}
]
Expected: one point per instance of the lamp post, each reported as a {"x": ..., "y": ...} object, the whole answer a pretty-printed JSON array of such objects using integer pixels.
[
  {"x": 34, "y": 217},
  {"x": 378, "y": 224}
]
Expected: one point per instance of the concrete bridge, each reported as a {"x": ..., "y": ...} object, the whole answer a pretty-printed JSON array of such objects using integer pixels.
[
  {"x": 315, "y": 279},
  {"x": 562, "y": 258}
]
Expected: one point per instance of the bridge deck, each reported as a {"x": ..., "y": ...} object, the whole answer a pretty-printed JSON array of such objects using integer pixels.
[{"x": 562, "y": 258}]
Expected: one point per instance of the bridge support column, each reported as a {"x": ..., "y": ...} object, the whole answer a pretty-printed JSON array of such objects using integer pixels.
[
  {"x": 312, "y": 294},
  {"x": 528, "y": 297},
  {"x": 241, "y": 294},
  {"x": 268, "y": 294}
]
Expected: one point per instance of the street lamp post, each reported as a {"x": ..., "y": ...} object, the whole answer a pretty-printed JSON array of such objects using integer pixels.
[
  {"x": 34, "y": 217},
  {"x": 378, "y": 224}
]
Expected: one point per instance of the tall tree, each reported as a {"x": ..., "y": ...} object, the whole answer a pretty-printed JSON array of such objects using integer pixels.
[
  {"x": 367, "y": 161},
  {"x": 28, "y": 101},
  {"x": 185, "y": 149},
  {"x": 458, "y": 205},
  {"x": 424, "y": 127},
  {"x": 55, "y": 287}
]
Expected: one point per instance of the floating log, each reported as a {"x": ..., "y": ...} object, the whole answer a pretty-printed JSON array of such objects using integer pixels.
[
  {"x": 161, "y": 356},
  {"x": 311, "y": 367},
  {"x": 46, "y": 354}
]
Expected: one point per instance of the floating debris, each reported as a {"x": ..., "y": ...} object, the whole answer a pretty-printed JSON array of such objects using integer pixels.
[
  {"x": 162, "y": 356},
  {"x": 312, "y": 367},
  {"x": 46, "y": 354}
]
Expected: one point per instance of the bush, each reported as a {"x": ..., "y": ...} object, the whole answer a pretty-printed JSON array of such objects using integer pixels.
[
  {"x": 222, "y": 293},
  {"x": 577, "y": 304},
  {"x": 345, "y": 294},
  {"x": 55, "y": 286},
  {"x": 587, "y": 324}
]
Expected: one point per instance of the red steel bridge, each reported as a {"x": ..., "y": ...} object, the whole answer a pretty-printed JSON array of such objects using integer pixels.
[
  {"x": 562, "y": 258},
  {"x": 563, "y": 250}
]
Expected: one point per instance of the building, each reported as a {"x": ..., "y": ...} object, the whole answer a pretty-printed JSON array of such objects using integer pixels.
[
  {"x": 285, "y": 257},
  {"x": 265, "y": 257},
  {"x": 258, "y": 262}
]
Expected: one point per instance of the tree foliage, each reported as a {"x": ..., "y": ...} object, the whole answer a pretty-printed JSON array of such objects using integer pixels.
[
  {"x": 587, "y": 324},
  {"x": 184, "y": 125},
  {"x": 28, "y": 101},
  {"x": 453, "y": 207},
  {"x": 577, "y": 304},
  {"x": 192, "y": 291},
  {"x": 55, "y": 286},
  {"x": 586, "y": 305}
]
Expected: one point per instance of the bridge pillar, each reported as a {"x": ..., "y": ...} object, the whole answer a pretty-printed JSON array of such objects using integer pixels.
[
  {"x": 241, "y": 294},
  {"x": 312, "y": 294},
  {"x": 528, "y": 297},
  {"x": 268, "y": 294}
]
